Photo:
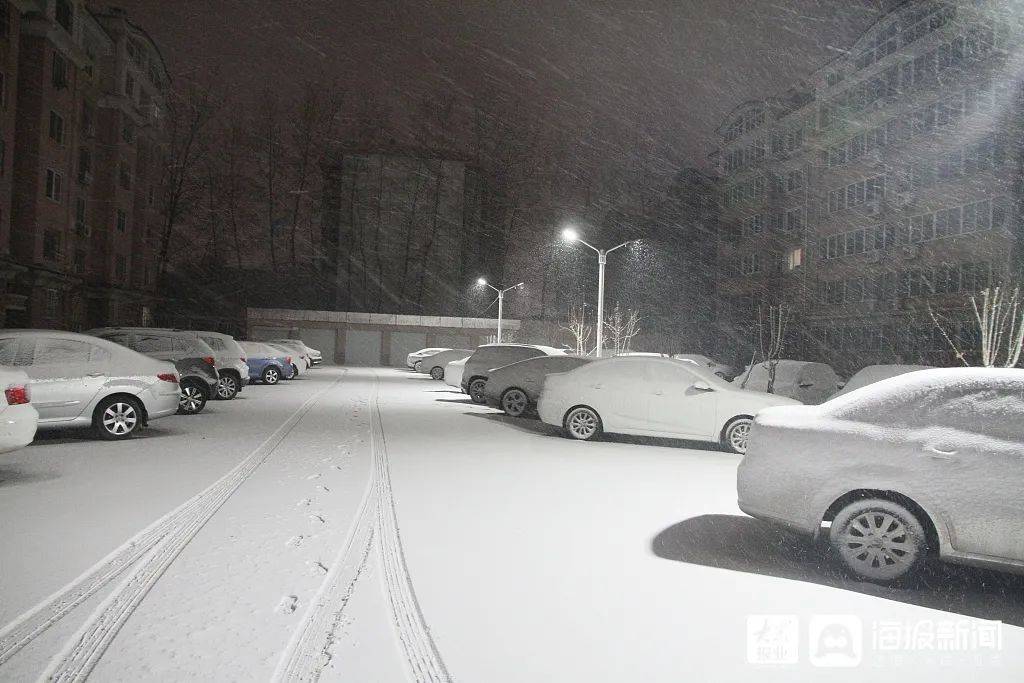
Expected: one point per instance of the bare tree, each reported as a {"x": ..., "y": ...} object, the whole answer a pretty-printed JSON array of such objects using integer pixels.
[
  {"x": 621, "y": 326},
  {"x": 188, "y": 116},
  {"x": 999, "y": 317},
  {"x": 772, "y": 321},
  {"x": 576, "y": 325}
]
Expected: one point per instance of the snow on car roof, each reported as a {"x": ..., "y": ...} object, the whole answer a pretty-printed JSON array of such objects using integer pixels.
[{"x": 876, "y": 373}]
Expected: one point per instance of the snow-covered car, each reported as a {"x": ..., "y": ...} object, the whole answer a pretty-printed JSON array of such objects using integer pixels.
[
  {"x": 807, "y": 382},
  {"x": 649, "y": 396},
  {"x": 721, "y": 369},
  {"x": 928, "y": 463},
  {"x": 514, "y": 388},
  {"x": 876, "y": 373},
  {"x": 453, "y": 372},
  {"x": 79, "y": 380},
  {"x": 194, "y": 360},
  {"x": 434, "y": 365},
  {"x": 315, "y": 356},
  {"x": 413, "y": 358},
  {"x": 490, "y": 356},
  {"x": 233, "y": 371},
  {"x": 266, "y": 363},
  {"x": 300, "y": 361},
  {"x": 18, "y": 417}
]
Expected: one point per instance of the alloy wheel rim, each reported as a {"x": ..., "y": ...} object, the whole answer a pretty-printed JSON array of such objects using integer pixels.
[
  {"x": 437, "y": 373},
  {"x": 514, "y": 402},
  {"x": 582, "y": 423},
  {"x": 226, "y": 387},
  {"x": 476, "y": 390},
  {"x": 878, "y": 544},
  {"x": 739, "y": 434},
  {"x": 120, "y": 418},
  {"x": 191, "y": 399},
  {"x": 272, "y": 376}
]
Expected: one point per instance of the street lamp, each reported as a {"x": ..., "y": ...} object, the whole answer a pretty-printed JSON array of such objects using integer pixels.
[
  {"x": 501, "y": 299},
  {"x": 570, "y": 235}
]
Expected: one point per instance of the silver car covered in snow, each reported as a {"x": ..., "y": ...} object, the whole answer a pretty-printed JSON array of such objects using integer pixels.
[
  {"x": 929, "y": 463},
  {"x": 79, "y": 380}
]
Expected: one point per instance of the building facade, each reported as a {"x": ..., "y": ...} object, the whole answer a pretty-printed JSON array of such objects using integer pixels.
[
  {"x": 879, "y": 195},
  {"x": 85, "y": 97}
]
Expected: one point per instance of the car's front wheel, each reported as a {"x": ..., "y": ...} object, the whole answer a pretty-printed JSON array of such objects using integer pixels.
[
  {"x": 295, "y": 372},
  {"x": 476, "y": 390},
  {"x": 271, "y": 375},
  {"x": 437, "y": 372},
  {"x": 193, "y": 397},
  {"x": 878, "y": 540},
  {"x": 514, "y": 402},
  {"x": 583, "y": 423},
  {"x": 417, "y": 365},
  {"x": 736, "y": 434},
  {"x": 117, "y": 417},
  {"x": 227, "y": 387}
]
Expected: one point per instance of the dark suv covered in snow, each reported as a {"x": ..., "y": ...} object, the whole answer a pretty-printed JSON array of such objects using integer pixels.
[{"x": 490, "y": 356}]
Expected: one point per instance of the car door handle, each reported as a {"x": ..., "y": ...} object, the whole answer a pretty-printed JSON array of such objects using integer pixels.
[{"x": 940, "y": 453}]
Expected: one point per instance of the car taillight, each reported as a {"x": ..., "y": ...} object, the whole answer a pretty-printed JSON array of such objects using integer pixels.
[
  {"x": 243, "y": 360},
  {"x": 167, "y": 377},
  {"x": 16, "y": 395},
  {"x": 208, "y": 360},
  {"x": 288, "y": 360}
]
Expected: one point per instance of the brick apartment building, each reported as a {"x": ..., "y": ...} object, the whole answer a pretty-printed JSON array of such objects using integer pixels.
[
  {"x": 83, "y": 97},
  {"x": 886, "y": 185}
]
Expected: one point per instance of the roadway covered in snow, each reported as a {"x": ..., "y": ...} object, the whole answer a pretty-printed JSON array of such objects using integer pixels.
[{"x": 359, "y": 525}]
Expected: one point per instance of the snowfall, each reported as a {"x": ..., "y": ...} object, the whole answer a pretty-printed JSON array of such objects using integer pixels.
[{"x": 375, "y": 525}]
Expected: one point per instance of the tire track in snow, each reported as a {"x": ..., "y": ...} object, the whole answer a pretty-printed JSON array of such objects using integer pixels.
[
  {"x": 157, "y": 546},
  {"x": 309, "y": 651}
]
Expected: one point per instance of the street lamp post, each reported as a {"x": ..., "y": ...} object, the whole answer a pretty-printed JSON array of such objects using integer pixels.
[
  {"x": 501, "y": 299},
  {"x": 602, "y": 260}
]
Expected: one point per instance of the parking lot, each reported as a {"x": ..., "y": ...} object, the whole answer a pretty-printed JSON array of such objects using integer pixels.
[{"x": 364, "y": 524}]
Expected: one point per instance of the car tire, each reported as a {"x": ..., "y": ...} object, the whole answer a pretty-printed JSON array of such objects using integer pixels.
[
  {"x": 194, "y": 396},
  {"x": 227, "y": 387},
  {"x": 295, "y": 372},
  {"x": 879, "y": 540},
  {"x": 736, "y": 433},
  {"x": 417, "y": 365},
  {"x": 514, "y": 402},
  {"x": 476, "y": 390},
  {"x": 271, "y": 375},
  {"x": 117, "y": 418},
  {"x": 437, "y": 372},
  {"x": 582, "y": 423}
]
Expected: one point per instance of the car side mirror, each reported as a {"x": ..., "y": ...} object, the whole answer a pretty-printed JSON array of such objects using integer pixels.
[{"x": 702, "y": 386}]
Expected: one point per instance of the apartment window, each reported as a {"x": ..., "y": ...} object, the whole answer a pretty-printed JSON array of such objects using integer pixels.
[
  {"x": 54, "y": 185},
  {"x": 81, "y": 228},
  {"x": 794, "y": 180},
  {"x": 795, "y": 258},
  {"x": 51, "y": 245},
  {"x": 51, "y": 304},
  {"x": 57, "y": 128},
  {"x": 84, "y": 166},
  {"x": 3, "y": 78},
  {"x": 59, "y": 75},
  {"x": 5, "y": 19},
  {"x": 120, "y": 267},
  {"x": 129, "y": 85},
  {"x": 122, "y": 221},
  {"x": 794, "y": 220},
  {"x": 125, "y": 175},
  {"x": 87, "y": 119},
  {"x": 79, "y": 264},
  {"x": 64, "y": 13},
  {"x": 128, "y": 132}
]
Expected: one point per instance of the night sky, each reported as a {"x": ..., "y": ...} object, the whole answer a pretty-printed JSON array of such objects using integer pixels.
[{"x": 646, "y": 79}]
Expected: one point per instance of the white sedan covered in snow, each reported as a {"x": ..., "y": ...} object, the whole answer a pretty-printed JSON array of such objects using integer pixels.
[
  {"x": 651, "y": 396},
  {"x": 18, "y": 418},
  {"x": 417, "y": 356},
  {"x": 453, "y": 372},
  {"x": 929, "y": 463}
]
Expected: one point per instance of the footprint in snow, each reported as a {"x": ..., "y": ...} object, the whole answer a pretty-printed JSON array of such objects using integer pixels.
[
  {"x": 317, "y": 569},
  {"x": 288, "y": 604},
  {"x": 322, "y": 487},
  {"x": 303, "y": 503},
  {"x": 295, "y": 541},
  {"x": 314, "y": 476},
  {"x": 318, "y": 518}
]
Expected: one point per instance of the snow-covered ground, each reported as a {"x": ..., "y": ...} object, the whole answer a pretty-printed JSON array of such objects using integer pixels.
[{"x": 374, "y": 525}]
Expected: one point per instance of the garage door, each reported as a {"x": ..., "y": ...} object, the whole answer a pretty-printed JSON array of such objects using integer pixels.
[
  {"x": 455, "y": 342},
  {"x": 404, "y": 343},
  {"x": 320, "y": 339},
  {"x": 362, "y": 347},
  {"x": 265, "y": 333}
]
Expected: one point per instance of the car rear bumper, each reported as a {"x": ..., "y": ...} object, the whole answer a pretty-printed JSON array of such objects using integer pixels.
[
  {"x": 160, "y": 402},
  {"x": 17, "y": 427}
]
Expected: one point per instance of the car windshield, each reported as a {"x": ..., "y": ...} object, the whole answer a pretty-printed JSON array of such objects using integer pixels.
[{"x": 628, "y": 340}]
